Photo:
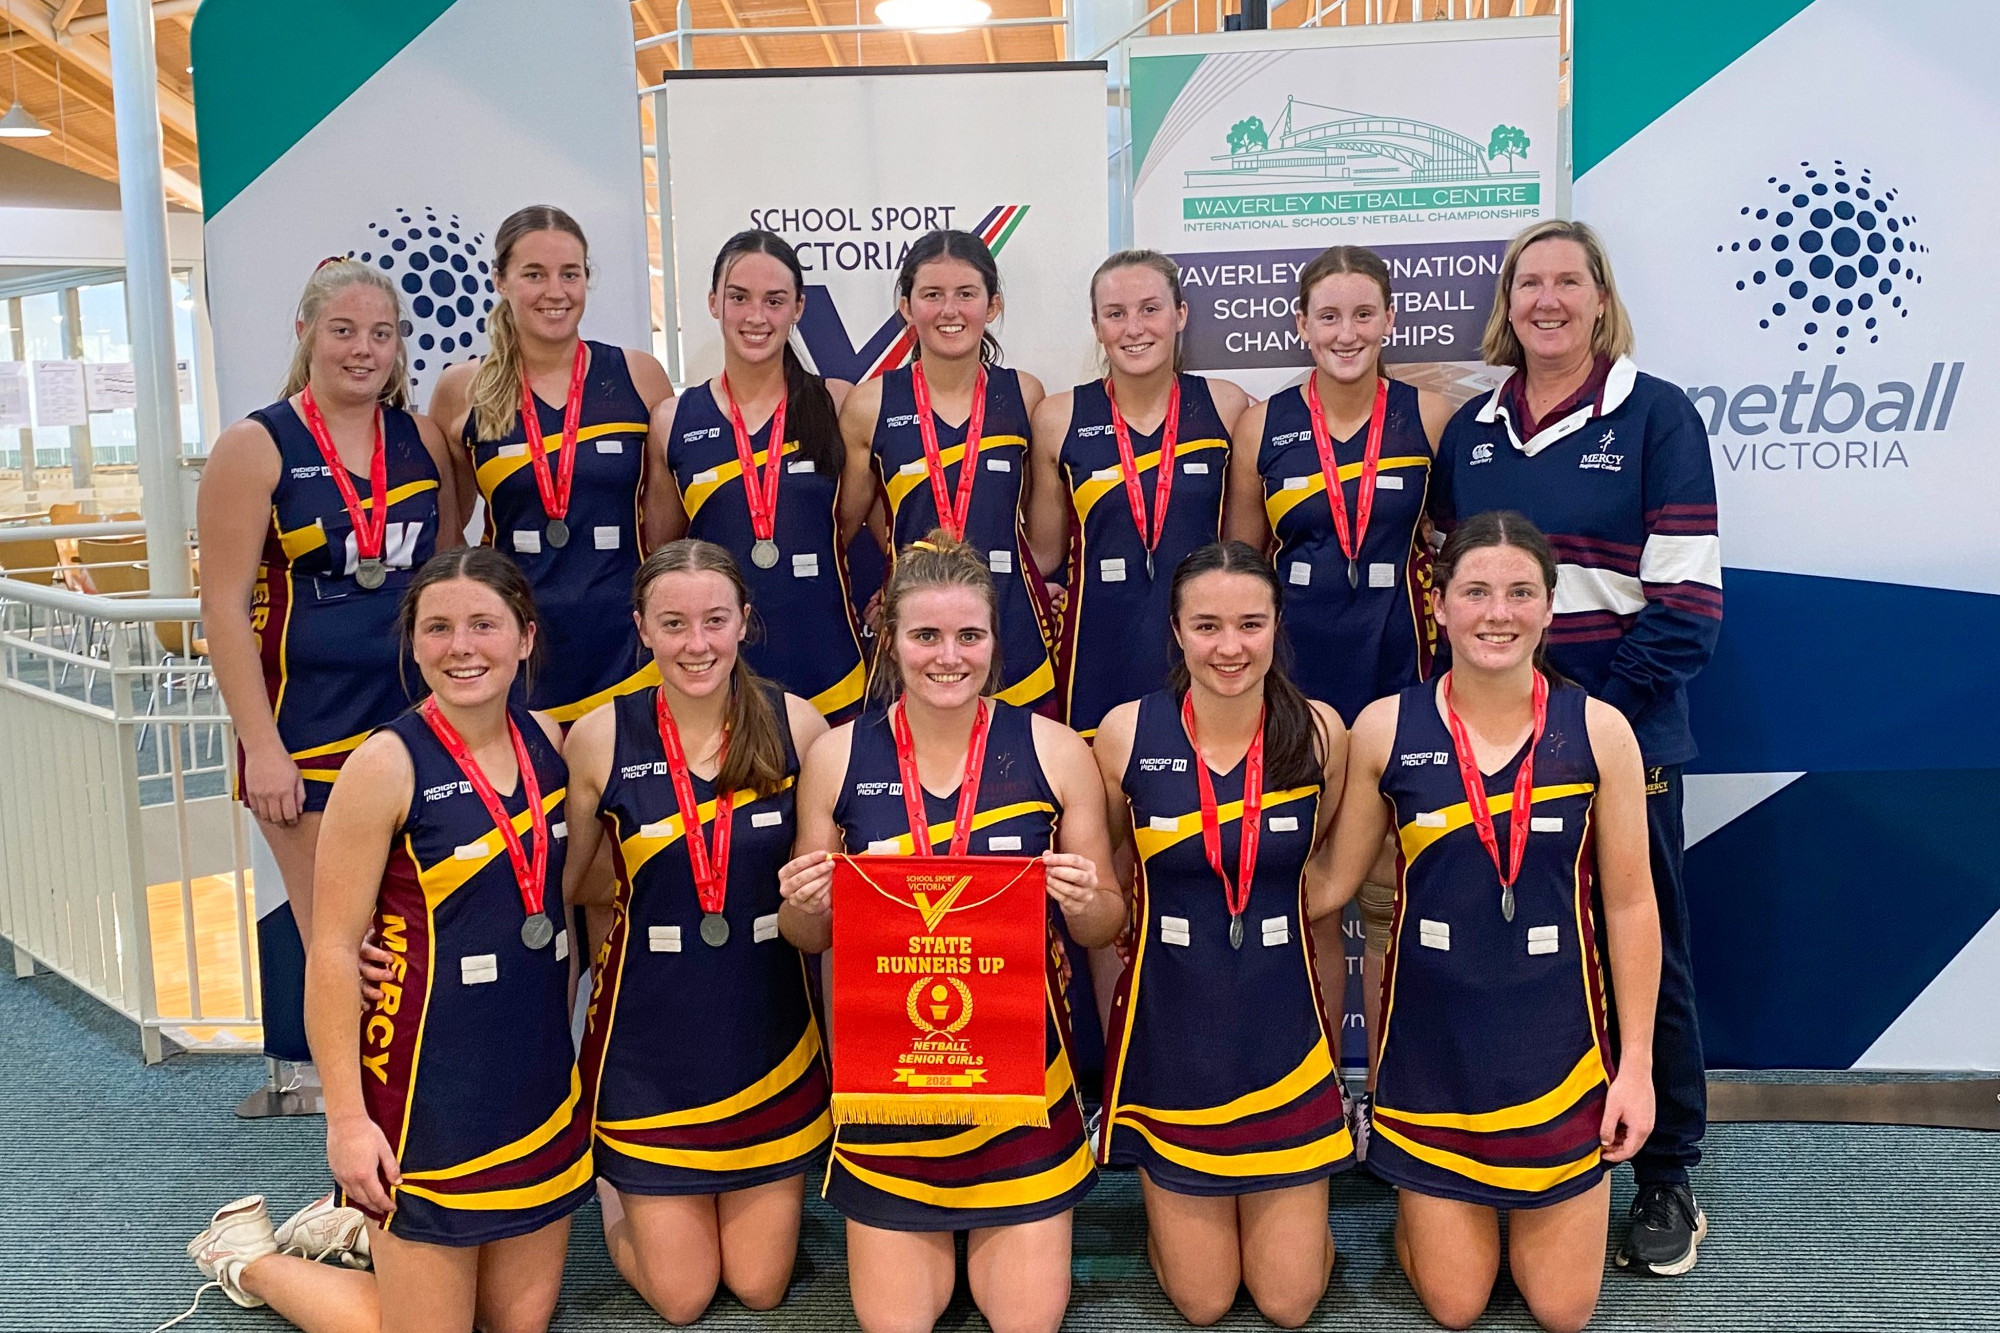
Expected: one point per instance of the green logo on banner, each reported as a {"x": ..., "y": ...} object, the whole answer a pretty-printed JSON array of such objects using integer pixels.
[{"x": 1317, "y": 161}]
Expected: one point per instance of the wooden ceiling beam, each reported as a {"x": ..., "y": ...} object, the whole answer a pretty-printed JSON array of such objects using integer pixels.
[
  {"x": 64, "y": 13},
  {"x": 826, "y": 38},
  {"x": 176, "y": 112},
  {"x": 750, "y": 48}
]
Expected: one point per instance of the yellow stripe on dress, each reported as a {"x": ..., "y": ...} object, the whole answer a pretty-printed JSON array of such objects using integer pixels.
[
  {"x": 1310, "y": 1072},
  {"x": 564, "y": 714},
  {"x": 771, "y": 1152},
  {"x": 300, "y": 541},
  {"x": 1286, "y": 498},
  {"x": 1085, "y": 497},
  {"x": 1415, "y": 838},
  {"x": 1057, "y": 1081},
  {"x": 1527, "y": 1179},
  {"x": 786, "y": 1073},
  {"x": 900, "y": 483},
  {"x": 1152, "y": 841},
  {"x": 447, "y": 877},
  {"x": 522, "y": 1196},
  {"x": 1031, "y": 687},
  {"x": 642, "y": 847},
  {"x": 699, "y": 494},
  {"x": 1588, "y": 1075},
  {"x": 1268, "y": 1162},
  {"x": 528, "y": 1143},
  {"x": 504, "y": 465},
  {"x": 984, "y": 819},
  {"x": 838, "y": 696}
]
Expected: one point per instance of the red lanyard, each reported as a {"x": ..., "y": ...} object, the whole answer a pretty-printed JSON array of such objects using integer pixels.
[
  {"x": 1329, "y": 470},
  {"x": 760, "y": 493},
  {"x": 968, "y": 783},
  {"x": 530, "y": 878},
  {"x": 952, "y": 511},
  {"x": 555, "y": 489},
  {"x": 1163, "y": 479},
  {"x": 371, "y": 524},
  {"x": 711, "y": 867},
  {"x": 1250, "y": 829},
  {"x": 1519, "y": 817}
]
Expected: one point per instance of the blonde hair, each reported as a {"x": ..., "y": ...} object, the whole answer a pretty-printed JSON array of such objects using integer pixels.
[
  {"x": 1169, "y": 271},
  {"x": 936, "y": 561},
  {"x": 1613, "y": 335},
  {"x": 332, "y": 276},
  {"x": 495, "y": 392}
]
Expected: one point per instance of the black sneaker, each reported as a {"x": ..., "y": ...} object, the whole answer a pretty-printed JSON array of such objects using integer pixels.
[{"x": 1667, "y": 1227}]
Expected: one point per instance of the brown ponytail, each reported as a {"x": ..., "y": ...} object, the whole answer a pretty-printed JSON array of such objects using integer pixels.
[
  {"x": 937, "y": 561},
  {"x": 756, "y": 755},
  {"x": 1295, "y": 739}
]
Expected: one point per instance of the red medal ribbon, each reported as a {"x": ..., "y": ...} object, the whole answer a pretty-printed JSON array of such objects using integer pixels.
[
  {"x": 1475, "y": 786},
  {"x": 1251, "y": 829},
  {"x": 531, "y": 879},
  {"x": 711, "y": 868},
  {"x": 1329, "y": 469},
  {"x": 554, "y": 489},
  {"x": 968, "y": 783},
  {"x": 952, "y": 512},
  {"x": 1163, "y": 479},
  {"x": 763, "y": 502},
  {"x": 371, "y": 524}
]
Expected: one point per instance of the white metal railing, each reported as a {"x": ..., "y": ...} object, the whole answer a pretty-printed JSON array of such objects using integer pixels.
[{"x": 123, "y": 859}]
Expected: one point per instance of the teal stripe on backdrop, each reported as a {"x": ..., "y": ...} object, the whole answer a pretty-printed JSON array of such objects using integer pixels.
[
  {"x": 1634, "y": 61},
  {"x": 267, "y": 71}
]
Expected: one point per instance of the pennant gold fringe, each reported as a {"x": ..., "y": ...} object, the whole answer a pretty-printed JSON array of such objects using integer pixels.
[{"x": 855, "y": 1108}]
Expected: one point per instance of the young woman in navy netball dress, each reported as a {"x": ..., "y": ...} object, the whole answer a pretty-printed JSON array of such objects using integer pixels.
[
  {"x": 1128, "y": 477},
  {"x": 1518, "y": 808},
  {"x": 313, "y": 514},
  {"x": 711, "y": 1087},
  {"x": 786, "y": 519},
  {"x": 919, "y": 423},
  {"x": 455, "y": 1116},
  {"x": 1224, "y": 1083},
  {"x": 1356, "y": 573},
  {"x": 563, "y": 497},
  {"x": 905, "y": 1189}
]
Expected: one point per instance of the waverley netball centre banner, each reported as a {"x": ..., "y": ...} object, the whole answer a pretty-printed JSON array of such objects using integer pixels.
[
  {"x": 852, "y": 166},
  {"x": 1430, "y": 144},
  {"x": 1814, "y": 265}
]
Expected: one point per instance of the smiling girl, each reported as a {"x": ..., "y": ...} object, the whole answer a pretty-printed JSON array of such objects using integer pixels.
[{"x": 554, "y": 432}]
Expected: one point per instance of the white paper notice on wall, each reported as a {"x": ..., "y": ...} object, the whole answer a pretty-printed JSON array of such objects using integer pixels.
[
  {"x": 184, "y": 382},
  {"x": 59, "y": 397},
  {"x": 110, "y": 386},
  {"x": 14, "y": 414}
]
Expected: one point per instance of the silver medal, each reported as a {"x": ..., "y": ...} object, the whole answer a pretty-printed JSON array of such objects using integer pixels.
[
  {"x": 1507, "y": 903},
  {"x": 1236, "y": 930},
  {"x": 537, "y": 931},
  {"x": 1149, "y": 565},
  {"x": 714, "y": 929},
  {"x": 371, "y": 574},
  {"x": 1353, "y": 573},
  {"x": 558, "y": 533},
  {"x": 764, "y": 554}
]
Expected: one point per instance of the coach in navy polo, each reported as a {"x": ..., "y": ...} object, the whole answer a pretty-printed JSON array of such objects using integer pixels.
[{"x": 1613, "y": 465}]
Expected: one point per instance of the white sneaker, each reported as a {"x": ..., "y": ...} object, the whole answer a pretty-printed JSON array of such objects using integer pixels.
[
  {"x": 239, "y": 1234},
  {"x": 324, "y": 1230},
  {"x": 1361, "y": 1122}
]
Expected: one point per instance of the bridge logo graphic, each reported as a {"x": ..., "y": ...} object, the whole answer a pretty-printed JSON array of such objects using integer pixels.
[{"x": 1317, "y": 160}]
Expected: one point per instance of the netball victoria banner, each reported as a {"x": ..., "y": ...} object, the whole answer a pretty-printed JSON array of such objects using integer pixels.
[
  {"x": 853, "y": 166},
  {"x": 939, "y": 990},
  {"x": 1255, "y": 151},
  {"x": 1814, "y": 266}
]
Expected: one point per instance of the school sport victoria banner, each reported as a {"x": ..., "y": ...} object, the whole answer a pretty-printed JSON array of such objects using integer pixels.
[
  {"x": 852, "y": 166},
  {"x": 401, "y": 132},
  {"x": 1430, "y": 143},
  {"x": 1801, "y": 221},
  {"x": 939, "y": 999}
]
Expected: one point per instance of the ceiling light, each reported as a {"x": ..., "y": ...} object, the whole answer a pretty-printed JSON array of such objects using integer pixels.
[
  {"x": 19, "y": 124},
  {"x": 933, "y": 16}
]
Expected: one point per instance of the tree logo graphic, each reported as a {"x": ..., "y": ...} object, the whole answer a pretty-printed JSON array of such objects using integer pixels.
[
  {"x": 1508, "y": 141},
  {"x": 1248, "y": 136},
  {"x": 1832, "y": 255}
]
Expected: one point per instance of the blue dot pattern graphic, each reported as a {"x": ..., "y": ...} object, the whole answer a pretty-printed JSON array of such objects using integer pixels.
[
  {"x": 1832, "y": 259},
  {"x": 447, "y": 289}
]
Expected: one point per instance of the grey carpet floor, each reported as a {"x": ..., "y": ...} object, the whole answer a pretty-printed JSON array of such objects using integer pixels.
[{"x": 107, "y": 1168}]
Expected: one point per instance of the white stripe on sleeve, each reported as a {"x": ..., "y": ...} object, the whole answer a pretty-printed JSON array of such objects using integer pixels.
[
  {"x": 1682, "y": 560},
  {"x": 1580, "y": 588}
]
